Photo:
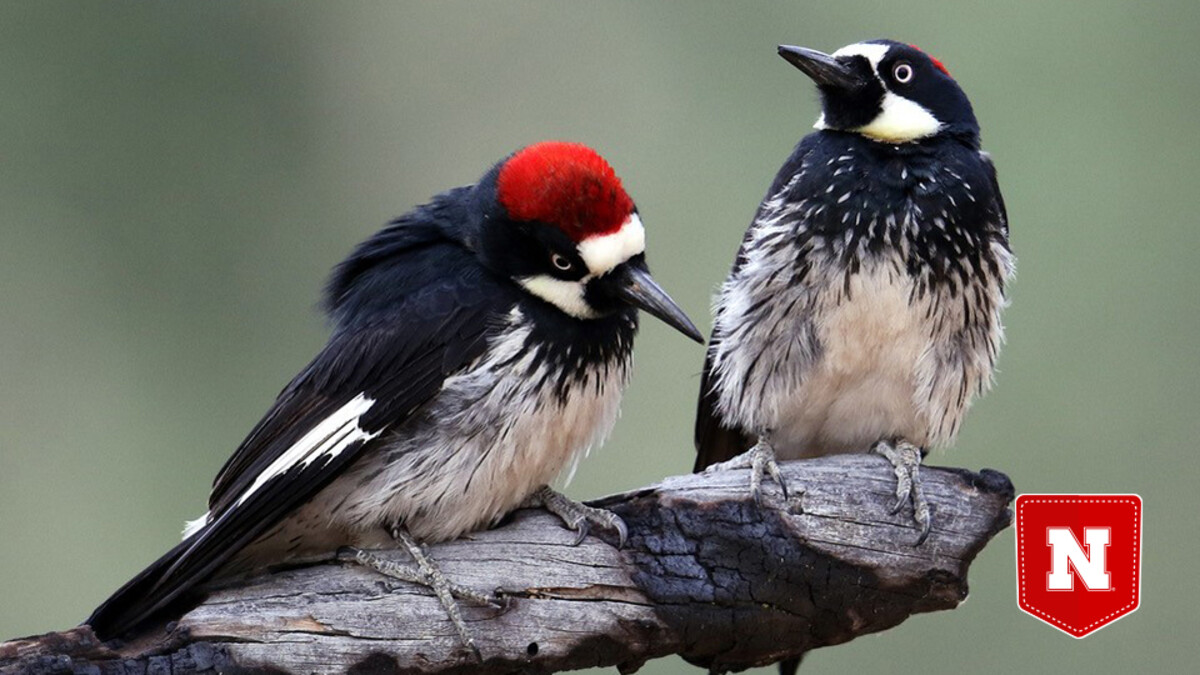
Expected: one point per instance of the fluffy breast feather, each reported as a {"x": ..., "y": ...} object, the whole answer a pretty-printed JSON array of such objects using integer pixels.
[
  {"x": 850, "y": 318},
  {"x": 493, "y": 435}
]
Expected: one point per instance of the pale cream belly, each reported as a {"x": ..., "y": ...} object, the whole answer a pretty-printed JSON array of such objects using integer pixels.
[
  {"x": 837, "y": 415},
  {"x": 863, "y": 387}
]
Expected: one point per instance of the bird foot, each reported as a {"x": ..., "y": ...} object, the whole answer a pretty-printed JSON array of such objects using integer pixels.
[
  {"x": 576, "y": 516},
  {"x": 428, "y": 575},
  {"x": 906, "y": 460},
  {"x": 761, "y": 461}
]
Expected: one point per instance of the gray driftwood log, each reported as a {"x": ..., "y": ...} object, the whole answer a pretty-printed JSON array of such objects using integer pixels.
[{"x": 706, "y": 574}]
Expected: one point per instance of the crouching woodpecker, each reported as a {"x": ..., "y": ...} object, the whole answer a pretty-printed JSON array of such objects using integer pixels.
[{"x": 481, "y": 343}]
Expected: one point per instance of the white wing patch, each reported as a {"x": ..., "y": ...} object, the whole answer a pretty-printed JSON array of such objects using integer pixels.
[
  {"x": 193, "y": 526},
  {"x": 326, "y": 440},
  {"x": 499, "y": 435}
]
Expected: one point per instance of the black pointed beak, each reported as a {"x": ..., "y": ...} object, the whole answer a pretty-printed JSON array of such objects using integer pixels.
[
  {"x": 825, "y": 70},
  {"x": 636, "y": 287}
]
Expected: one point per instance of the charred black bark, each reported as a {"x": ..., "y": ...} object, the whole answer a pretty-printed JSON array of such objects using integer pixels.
[{"x": 706, "y": 574}]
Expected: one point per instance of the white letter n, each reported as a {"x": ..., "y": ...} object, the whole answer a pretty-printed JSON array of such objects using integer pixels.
[{"x": 1091, "y": 566}]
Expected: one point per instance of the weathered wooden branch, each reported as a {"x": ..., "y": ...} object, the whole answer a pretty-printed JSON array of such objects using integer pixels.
[{"x": 705, "y": 574}]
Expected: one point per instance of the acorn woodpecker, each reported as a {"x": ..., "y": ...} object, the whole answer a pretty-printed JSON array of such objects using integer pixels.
[
  {"x": 863, "y": 308},
  {"x": 481, "y": 343}
]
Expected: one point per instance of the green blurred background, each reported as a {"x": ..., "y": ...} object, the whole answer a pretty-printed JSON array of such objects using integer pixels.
[{"x": 176, "y": 179}]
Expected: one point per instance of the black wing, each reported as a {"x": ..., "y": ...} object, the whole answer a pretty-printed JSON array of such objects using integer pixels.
[
  {"x": 716, "y": 442},
  {"x": 990, "y": 169},
  {"x": 368, "y": 378}
]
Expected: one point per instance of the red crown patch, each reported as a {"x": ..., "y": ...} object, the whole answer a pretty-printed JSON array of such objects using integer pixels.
[
  {"x": 939, "y": 64},
  {"x": 564, "y": 184}
]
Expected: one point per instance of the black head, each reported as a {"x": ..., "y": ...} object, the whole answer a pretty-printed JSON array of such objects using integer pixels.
[
  {"x": 559, "y": 223},
  {"x": 887, "y": 91}
]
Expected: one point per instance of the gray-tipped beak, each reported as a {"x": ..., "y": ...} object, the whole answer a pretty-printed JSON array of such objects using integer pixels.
[
  {"x": 825, "y": 70},
  {"x": 639, "y": 289}
]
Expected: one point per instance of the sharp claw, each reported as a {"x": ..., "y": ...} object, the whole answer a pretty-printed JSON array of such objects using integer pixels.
[
  {"x": 580, "y": 517},
  {"x": 756, "y": 471},
  {"x": 922, "y": 514},
  {"x": 928, "y": 525},
  {"x": 773, "y": 467},
  {"x": 906, "y": 460},
  {"x": 581, "y": 532},
  {"x": 760, "y": 460}
]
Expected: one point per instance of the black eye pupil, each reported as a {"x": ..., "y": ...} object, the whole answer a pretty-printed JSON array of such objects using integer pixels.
[
  {"x": 560, "y": 262},
  {"x": 903, "y": 72}
]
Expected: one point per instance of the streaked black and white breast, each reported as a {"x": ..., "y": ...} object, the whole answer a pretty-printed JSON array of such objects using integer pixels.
[{"x": 865, "y": 300}]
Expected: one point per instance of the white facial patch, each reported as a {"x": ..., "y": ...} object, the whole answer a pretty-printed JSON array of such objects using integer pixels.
[
  {"x": 900, "y": 120},
  {"x": 565, "y": 295},
  {"x": 601, "y": 254},
  {"x": 604, "y": 252}
]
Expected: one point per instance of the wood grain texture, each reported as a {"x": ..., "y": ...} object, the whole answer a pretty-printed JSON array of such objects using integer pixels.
[{"x": 706, "y": 574}]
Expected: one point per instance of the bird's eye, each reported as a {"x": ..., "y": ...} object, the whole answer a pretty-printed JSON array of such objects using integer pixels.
[
  {"x": 560, "y": 262},
  {"x": 902, "y": 72}
]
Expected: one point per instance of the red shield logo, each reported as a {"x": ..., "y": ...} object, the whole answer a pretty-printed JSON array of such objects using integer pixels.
[{"x": 1079, "y": 559}]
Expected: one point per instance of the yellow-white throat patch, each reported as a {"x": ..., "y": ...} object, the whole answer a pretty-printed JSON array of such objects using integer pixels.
[{"x": 601, "y": 254}]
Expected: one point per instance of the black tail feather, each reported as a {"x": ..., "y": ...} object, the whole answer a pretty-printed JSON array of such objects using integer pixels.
[
  {"x": 136, "y": 602},
  {"x": 790, "y": 666}
]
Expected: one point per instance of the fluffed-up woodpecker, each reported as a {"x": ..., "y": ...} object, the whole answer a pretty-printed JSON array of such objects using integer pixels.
[
  {"x": 481, "y": 344},
  {"x": 863, "y": 309}
]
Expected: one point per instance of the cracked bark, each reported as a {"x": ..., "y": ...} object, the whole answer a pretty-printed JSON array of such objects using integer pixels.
[{"x": 706, "y": 574}]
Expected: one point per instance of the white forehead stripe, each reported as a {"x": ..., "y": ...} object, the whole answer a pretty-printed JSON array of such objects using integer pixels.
[
  {"x": 871, "y": 52},
  {"x": 604, "y": 252}
]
